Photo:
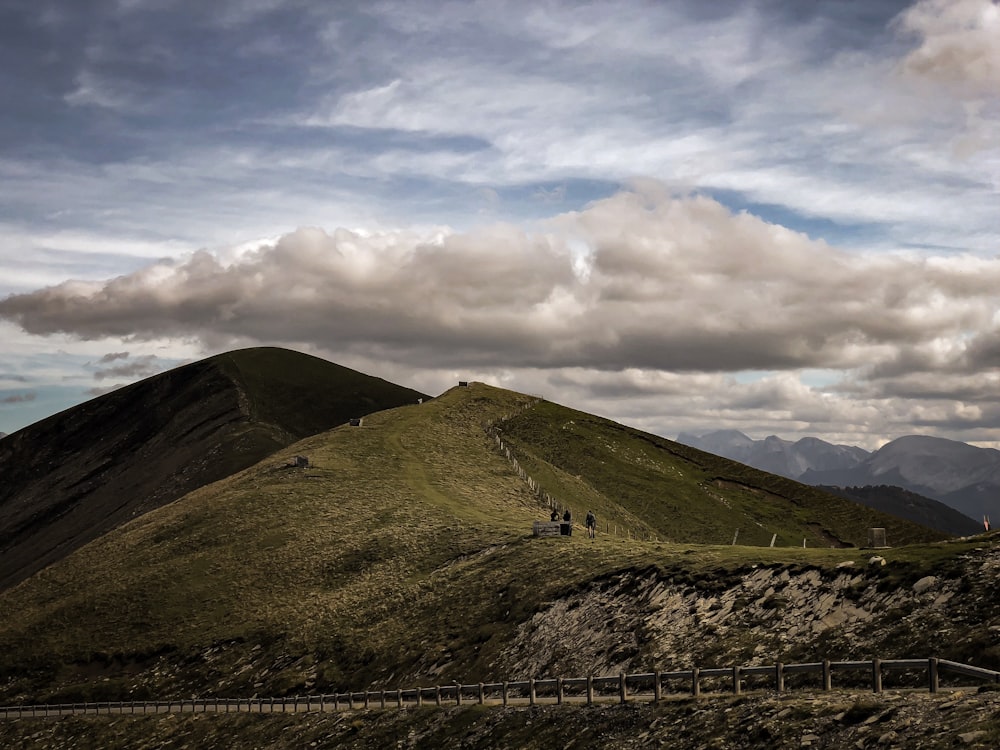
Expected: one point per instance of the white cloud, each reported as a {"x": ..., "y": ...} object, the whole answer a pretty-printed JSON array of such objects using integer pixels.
[
  {"x": 958, "y": 44},
  {"x": 674, "y": 285}
]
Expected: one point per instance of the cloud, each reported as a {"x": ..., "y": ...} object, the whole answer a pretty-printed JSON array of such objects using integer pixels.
[
  {"x": 643, "y": 279},
  {"x": 958, "y": 43},
  {"x": 140, "y": 367},
  {"x": 113, "y": 356},
  {"x": 18, "y": 398}
]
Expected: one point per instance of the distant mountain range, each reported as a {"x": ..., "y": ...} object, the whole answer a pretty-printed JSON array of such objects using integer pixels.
[{"x": 961, "y": 476}]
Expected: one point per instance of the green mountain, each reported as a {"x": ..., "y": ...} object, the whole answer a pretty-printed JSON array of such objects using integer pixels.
[
  {"x": 71, "y": 478},
  {"x": 403, "y": 552}
]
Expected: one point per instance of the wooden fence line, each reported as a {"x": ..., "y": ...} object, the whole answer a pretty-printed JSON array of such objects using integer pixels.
[
  {"x": 617, "y": 688},
  {"x": 490, "y": 428}
]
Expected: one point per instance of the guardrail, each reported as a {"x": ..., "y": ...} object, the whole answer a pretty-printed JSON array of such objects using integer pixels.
[{"x": 619, "y": 688}]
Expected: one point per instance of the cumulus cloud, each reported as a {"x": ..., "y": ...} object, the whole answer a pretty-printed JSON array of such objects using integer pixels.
[
  {"x": 958, "y": 43},
  {"x": 644, "y": 279}
]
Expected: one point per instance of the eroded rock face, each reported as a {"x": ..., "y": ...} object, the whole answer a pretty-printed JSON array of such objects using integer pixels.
[{"x": 641, "y": 620}]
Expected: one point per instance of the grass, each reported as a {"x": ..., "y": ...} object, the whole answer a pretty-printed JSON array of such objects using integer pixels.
[
  {"x": 402, "y": 553},
  {"x": 665, "y": 489}
]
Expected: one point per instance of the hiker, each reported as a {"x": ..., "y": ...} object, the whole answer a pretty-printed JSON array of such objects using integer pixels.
[
  {"x": 566, "y": 527},
  {"x": 591, "y": 524},
  {"x": 555, "y": 515}
]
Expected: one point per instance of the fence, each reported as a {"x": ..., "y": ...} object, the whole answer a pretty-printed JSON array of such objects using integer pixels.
[
  {"x": 620, "y": 689},
  {"x": 491, "y": 429}
]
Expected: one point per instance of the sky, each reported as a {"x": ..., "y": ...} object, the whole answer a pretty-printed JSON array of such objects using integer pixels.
[{"x": 780, "y": 217}]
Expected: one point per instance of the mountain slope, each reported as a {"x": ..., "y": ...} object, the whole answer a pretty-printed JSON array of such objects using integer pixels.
[
  {"x": 909, "y": 505},
  {"x": 681, "y": 493},
  {"x": 74, "y": 476},
  {"x": 962, "y": 476},
  {"x": 402, "y": 554}
]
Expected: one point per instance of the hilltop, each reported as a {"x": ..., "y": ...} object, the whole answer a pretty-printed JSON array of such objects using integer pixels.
[{"x": 80, "y": 473}]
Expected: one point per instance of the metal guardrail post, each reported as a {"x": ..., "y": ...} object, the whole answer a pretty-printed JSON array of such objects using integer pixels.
[
  {"x": 876, "y": 675},
  {"x": 695, "y": 682},
  {"x": 779, "y": 677},
  {"x": 590, "y": 689},
  {"x": 932, "y": 674},
  {"x": 622, "y": 688},
  {"x": 657, "y": 688},
  {"x": 503, "y": 692},
  {"x": 481, "y": 697},
  {"x": 827, "y": 675},
  {"x": 531, "y": 691},
  {"x": 737, "y": 680}
]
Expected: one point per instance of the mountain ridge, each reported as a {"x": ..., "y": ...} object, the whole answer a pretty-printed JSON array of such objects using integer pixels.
[
  {"x": 962, "y": 477},
  {"x": 72, "y": 477}
]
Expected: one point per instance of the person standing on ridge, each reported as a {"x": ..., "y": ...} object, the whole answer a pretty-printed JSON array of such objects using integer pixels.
[
  {"x": 591, "y": 524},
  {"x": 566, "y": 528}
]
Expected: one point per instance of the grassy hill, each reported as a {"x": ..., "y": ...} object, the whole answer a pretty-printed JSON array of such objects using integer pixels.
[
  {"x": 403, "y": 553},
  {"x": 663, "y": 488},
  {"x": 74, "y": 476}
]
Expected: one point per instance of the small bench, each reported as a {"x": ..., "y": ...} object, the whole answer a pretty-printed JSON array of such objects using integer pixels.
[{"x": 546, "y": 528}]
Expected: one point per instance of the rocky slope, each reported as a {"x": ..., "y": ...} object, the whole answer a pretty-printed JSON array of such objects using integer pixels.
[{"x": 643, "y": 619}]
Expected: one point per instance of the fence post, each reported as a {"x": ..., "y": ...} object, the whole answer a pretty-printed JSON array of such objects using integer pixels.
[
  {"x": 622, "y": 688},
  {"x": 399, "y": 697},
  {"x": 695, "y": 682},
  {"x": 657, "y": 690},
  {"x": 420, "y": 697},
  {"x": 367, "y": 698},
  {"x": 381, "y": 699},
  {"x": 559, "y": 691},
  {"x": 932, "y": 674},
  {"x": 876, "y": 675},
  {"x": 531, "y": 691},
  {"x": 590, "y": 689},
  {"x": 437, "y": 695},
  {"x": 458, "y": 693},
  {"x": 827, "y": 675},
  {"x": 737, "y": 679},
  {"x": 779, "y": 677},
  {"x": 480, "y": 693},
  {"x": 503, "y": 692}
]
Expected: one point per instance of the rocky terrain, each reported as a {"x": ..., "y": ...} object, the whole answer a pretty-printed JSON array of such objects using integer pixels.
[{"x": 641, "y": 620}]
